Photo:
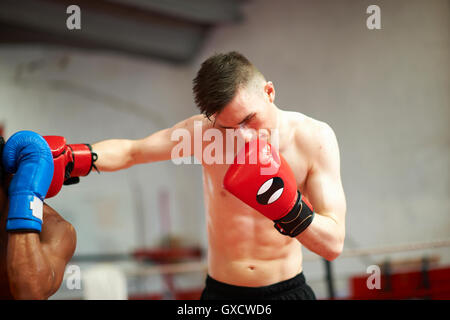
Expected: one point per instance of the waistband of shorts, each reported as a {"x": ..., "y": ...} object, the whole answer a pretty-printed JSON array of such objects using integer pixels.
[{"x": 257, "y": 292}]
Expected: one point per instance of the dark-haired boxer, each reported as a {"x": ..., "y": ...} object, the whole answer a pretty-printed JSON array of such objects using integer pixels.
[
  {"x": 36, "y": 243},
  {"x": 253, "y": 255}
]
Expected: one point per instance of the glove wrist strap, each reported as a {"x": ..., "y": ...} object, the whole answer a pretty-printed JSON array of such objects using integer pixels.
[
  {"x": 94, "y": 157},
  {"x": 25, "y": 213},
  {"x": 297, "y": 220}
]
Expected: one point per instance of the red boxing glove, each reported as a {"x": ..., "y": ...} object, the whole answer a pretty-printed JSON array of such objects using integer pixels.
[
  {"x": 70, "y": 162},
  {"x": 262, "y": 179}
]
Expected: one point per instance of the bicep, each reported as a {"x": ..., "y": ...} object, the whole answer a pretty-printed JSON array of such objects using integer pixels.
[
  {"x": 159, "y": 146},
  {"x": 58, "y": 241},
  {"x": 323, "y": 186},
  {"x": 155, "y": 147},
  {"x": 326, "y": 194}
]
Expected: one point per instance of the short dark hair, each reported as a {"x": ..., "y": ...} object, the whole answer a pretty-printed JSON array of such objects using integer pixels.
[{"x": 218, "y": 80}]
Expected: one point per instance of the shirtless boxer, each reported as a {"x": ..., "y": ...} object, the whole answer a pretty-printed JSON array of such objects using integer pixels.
[
  {"x": 248, "y": 257},
  {"x": 34, "y": 249}
]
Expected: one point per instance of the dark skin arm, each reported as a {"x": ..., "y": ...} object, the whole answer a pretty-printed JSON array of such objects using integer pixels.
[{"x": 36, "y": 262}]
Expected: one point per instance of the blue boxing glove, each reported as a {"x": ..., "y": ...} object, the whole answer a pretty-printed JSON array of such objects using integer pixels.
[{"x": 27, "y": 155}]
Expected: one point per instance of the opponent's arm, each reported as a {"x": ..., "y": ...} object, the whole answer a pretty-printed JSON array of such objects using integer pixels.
[
  {"x": 323, "y": 188},
  {"x": 36, "y": 262},
  {"x": 117, "y": 154},
  {"x": 36, "y": 255}
]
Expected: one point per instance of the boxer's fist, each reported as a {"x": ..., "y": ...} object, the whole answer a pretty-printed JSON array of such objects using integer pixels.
[
  {"x": 70, "y": 161},
  {"x": 262, "y": 179},
  {"x": 28, "y": 157}
]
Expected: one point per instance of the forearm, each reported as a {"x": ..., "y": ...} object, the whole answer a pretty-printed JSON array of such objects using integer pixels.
[
  {"x": 324, "y": 236},
  {"x": 29, "y": 271},
  {"x": 114, "y": 154}
]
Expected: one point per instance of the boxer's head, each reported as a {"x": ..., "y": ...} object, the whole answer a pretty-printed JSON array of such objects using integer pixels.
[{"x": 232, "y": 93}]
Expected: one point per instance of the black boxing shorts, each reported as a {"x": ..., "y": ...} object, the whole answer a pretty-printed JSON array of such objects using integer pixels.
[{"x": 291, "y": 289}]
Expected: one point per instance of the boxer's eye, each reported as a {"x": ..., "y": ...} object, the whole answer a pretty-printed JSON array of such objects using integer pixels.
[{"x": 270, "y": 191}]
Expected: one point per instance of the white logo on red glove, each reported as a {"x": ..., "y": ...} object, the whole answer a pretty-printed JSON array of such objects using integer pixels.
[{"x": 270, "y": 191}]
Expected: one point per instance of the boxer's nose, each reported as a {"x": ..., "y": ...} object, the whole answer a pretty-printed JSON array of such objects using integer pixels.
[{"x": 246, "y": 134}]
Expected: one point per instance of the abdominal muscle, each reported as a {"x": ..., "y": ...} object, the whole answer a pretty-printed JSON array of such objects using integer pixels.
[{"x": 244, "y": 247}]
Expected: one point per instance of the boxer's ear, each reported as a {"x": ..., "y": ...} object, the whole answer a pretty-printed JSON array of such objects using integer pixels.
[{"x": 269, "y": 90}]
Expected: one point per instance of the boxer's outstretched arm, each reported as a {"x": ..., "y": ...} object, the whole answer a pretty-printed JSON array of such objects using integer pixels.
[
  {"x": 36, "y": 262},
  {"x": 117, "y": 154},
  {"x": 323, "y": 188}
]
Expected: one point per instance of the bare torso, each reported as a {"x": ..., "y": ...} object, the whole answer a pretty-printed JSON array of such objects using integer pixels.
[{"x": 244, "y": 247}]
